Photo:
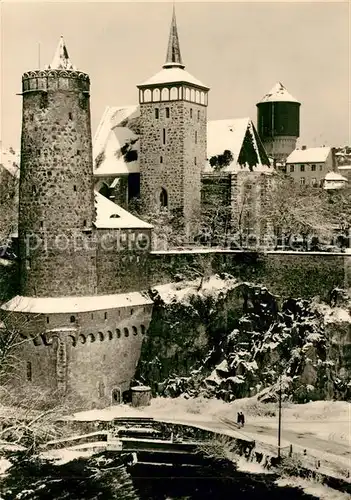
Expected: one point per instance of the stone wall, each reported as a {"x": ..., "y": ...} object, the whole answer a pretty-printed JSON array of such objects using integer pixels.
[
  {"x": 56, "y": 185},
  {"x": 291, "y": 274},
  {"x": 89, "y": 354},
  {"x": 174, "y": 164},
  {"x": 122, "y": 260}
]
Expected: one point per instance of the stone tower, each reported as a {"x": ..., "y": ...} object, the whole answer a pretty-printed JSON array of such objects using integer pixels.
[
  {"x": 173, "y": 111},
  {"x": 56, "y": 207},
  {"x": 278, "y": 122}
]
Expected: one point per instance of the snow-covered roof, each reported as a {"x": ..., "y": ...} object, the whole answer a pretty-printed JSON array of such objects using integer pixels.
[
  {"x": 61, "y": 58},
  {"x": 110, "y": 137},
  {"x": 112, "y": 216},
  {"x": 173, "y": 75},
  {"x": 10, "y": 160},
  {"x": 344, "y": 167},
  {"x": 47, "y": 305},
  {"x": 333, "y": 180},
  {"x": 309, "y": 155},
  {"x": 278, "y": 93},
  {"x": 334, "y": 176},
  {"x": 230, "y": 134}
]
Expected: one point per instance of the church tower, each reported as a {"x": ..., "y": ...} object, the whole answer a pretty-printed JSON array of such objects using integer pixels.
[
  {"x": 173, "y": 111},
  {"x": 56, "y": 206}
]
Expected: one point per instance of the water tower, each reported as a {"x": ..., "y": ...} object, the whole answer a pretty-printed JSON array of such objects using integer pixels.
[{"x": 278, "y": 122}]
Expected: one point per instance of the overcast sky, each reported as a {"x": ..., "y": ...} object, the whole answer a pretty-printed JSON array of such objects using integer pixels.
[{"x": 238, "y": 49}]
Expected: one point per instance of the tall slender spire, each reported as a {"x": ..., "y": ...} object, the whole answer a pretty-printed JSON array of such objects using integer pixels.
[
  {"x": 174, "y": 58},
  {"x": 61, "y": 58}
]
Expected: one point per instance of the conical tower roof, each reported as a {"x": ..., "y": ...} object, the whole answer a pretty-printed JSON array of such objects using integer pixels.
[
  {"x": 278, "y": 93},
  {"x": 61, "y": 58},
  {"x": 174, "y": 58},
  {"x": 173, "y": 70}
]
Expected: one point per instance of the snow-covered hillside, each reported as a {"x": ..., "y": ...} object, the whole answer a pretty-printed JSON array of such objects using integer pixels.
[{"x": 231, "y": 340}]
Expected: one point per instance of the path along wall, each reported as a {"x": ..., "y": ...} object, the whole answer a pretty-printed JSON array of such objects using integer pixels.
[{"x": 290, "y": 274}]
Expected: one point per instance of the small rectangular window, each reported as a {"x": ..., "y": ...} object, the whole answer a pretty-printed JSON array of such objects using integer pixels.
[
  {"x": 29, "y": 371},
  {"x": 195, "y": 137},
  {"x": 47, "y": 319},
  {"x": 313, "y": 168},
  {"x": 164, "y": 136},
  {"x": 314, "y": 182},
  {"x": 41, "y": 224},
  {"x": 320, "y": 167},
  {"x": 302, "y": 168},
  {"x": 161, "y": 159},
  {"x": 191, "y": 112},
  {"x": 195, "y": 160},
  {"x": 70, "y": 116},
  {"x": 157, "y": 114},
  {"x": 302, "y": 181},
  {"x": 292, "y": 168},
  {"x": 105, "y": 315},
  {"x": 198, "y": 115},
  {"x": 167, "y": 112},
  {"x": 74, "y": 188}
]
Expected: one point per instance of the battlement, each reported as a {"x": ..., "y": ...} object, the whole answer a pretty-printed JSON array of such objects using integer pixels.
[{"x": 49, "y": 80}]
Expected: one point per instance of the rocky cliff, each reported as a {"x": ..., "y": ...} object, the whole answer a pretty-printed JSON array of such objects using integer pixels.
[{"x": 228, "y": 339}]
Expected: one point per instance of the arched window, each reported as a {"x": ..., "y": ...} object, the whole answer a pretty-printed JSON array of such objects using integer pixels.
[
  {"x": 163, "y": 198},
  {"x": 101, "y": 336},
  {"x": 156, "y": 95},
  {"x": 202, "y": 97},
  {"x": 143, "y": 329},
  {"x": 29, "y": 371},
  {"x": 174, "y": 94},
  {"x": 126, "y": 332},
  {"x": 165, "y": 95},
  {"x": 197, "y": 96},
  {"x": 118, "y": 333},
  {"x": 187, "y": 94},
  {"x": 192, "y": 95},
  {"x": 147, "y": 95},
  {"x": 91, "y": 337},
  {"x": 135, "y": 330},
  {"x": 82, "y": 339},
  {"x": 73, "y": 319},
  {"x": 110, "y": 335}
]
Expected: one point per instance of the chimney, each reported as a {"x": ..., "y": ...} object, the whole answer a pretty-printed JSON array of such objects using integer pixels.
[{"x": 303, "y": 148}]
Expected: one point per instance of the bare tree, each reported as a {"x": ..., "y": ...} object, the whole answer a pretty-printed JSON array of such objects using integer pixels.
[
  {"x": 292, "y": 210},
  {"x": 8, "y": 205}
]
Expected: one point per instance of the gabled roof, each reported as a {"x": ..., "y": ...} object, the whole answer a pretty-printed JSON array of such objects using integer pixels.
[
  {"x": 333, "y": 180},
  {"x": 278, "y": 93},
  {"x": 111, "y": 137},
  {"x": 229, "y": 135},
  {"x": 334, "y": 176},
  {"x": 309, "y": 155},
  {"x": 112, "y": 216},
  {"x": 221, "y": 135},
  {"x": 10, "y": 160}
]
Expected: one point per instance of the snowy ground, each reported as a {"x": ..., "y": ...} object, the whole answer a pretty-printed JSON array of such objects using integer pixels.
[{"x": 323, "y": 428}]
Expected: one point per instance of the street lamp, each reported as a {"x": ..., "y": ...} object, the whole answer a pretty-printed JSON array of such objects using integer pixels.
[{"x": 279, "y": 414}]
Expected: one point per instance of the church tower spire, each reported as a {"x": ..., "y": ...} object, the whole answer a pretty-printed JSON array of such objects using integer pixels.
[{"x": 174, "y": 58}]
